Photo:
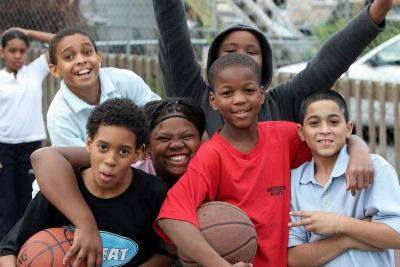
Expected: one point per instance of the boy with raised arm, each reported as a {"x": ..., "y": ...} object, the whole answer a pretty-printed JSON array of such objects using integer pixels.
[{"x": 247, "y": 164}]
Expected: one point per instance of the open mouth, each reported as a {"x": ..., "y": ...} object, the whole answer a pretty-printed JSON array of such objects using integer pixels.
[
  {"x": 83, "y": 72},
  {"x": 181, "y": 158},
  {"x": 105, "y": 176}
]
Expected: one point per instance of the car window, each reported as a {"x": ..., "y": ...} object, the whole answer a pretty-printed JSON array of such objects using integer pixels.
[{"x": 390, "y": 55}]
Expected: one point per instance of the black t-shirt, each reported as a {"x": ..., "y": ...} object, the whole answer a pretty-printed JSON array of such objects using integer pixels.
[{"x": 125, "y": 222}]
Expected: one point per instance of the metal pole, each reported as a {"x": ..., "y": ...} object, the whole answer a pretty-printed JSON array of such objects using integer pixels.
[{"x": 346, "y": 10}]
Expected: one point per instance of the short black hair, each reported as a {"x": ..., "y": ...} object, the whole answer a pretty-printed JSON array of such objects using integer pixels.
[
  {"x": 60, "y": 36},
  {"x": 323, "y": 95},
  {"x": 118, "y": 112},
  {"x": 232, "y": 60},
  {"x": 160, "y": 110},
  {"x": 14, "y": 34}
]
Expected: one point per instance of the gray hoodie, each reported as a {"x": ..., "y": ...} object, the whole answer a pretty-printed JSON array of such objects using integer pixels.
[{"x": 182, "y": 74}]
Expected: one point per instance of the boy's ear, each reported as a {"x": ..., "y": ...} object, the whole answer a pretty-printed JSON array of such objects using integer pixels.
[
  {"x": 54, "y": 70},
  {"x": 138, "y": 154},
  {"x": 211, "y": 99},
  {"x": 100, "y": 57},
  {"x": 349, "y": 129},
  {"x": 263, "y": 93},
  {"x": 300, "y": 132},
  {"x": 1, "y": 52},
  {"x": 89, "y": 142}
]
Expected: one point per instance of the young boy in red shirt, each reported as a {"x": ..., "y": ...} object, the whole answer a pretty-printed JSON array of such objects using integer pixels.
[{"x": 246, "y": 164}]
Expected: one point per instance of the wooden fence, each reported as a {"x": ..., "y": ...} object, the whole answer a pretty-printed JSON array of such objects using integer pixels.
[
  {"x": 372, "y": 98},
  {"x": 382, "y": 139}
]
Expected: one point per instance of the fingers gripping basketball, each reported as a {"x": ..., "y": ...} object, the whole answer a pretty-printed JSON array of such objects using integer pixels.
[
  {"x": 228, "y": 230},
  {"x": 46, "y": 248}
]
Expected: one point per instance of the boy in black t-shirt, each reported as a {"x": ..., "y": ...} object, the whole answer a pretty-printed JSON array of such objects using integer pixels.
[{"x": 125, "y": 201}]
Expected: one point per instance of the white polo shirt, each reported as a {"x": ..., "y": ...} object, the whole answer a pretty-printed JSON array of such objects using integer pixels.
[
  {"x": 68, "y": 114},
  {"x": 380, "y": 201},
  {"x": 21, "y": 118}
]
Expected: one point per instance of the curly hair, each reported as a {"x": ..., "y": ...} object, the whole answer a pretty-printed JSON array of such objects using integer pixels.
[{"x": 118, "y": 112}]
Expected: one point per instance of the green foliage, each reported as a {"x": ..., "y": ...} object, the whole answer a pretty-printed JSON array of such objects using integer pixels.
[{"x": 323, "y": 32}]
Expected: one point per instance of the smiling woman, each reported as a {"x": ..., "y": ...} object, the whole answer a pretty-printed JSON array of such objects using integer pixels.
[{"x": 176, "y": 126}]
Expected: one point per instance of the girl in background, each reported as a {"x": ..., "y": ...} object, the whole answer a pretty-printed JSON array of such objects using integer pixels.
[{"x": 21, "y": 120}]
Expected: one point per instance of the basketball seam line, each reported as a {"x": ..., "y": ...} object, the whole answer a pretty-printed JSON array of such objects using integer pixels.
[{"x": 226, "y": 223}]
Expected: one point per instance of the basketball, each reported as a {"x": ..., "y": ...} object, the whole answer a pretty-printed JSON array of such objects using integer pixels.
[
  {"x": 228, "y": 230},
  {"x": 46, "y": 248}
]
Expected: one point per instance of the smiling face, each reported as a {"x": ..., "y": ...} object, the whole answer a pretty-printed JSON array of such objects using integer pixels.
[
  {"x": 112, "y": 151},
  {"x": 238, "y": 97},
  {"x": 14, "y": 54},
  {"x": 77, "y": 64},
  {"x": 241, "y": 42},
  {"x": 172, "y": 144},
  {"x": 325, "y": 129}
]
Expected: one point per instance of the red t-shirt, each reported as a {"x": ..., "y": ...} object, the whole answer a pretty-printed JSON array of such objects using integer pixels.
[{"x": 258, "y": 182}]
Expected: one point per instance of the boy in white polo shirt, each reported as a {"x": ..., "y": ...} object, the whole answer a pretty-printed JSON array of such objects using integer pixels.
[
  {"x": 75, "y": 59},
  {"x": 330, "y": 227}
]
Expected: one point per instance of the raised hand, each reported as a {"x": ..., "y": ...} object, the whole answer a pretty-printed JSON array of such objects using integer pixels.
[
  {"x": 24, "y": 31},
  {"x": 379, "y": 9}
]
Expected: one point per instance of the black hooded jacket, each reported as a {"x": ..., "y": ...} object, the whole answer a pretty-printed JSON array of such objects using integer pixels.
[{"x": 182, "y": 74}]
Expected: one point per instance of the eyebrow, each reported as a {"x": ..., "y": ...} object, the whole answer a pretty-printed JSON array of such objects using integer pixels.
[
  {"x": 317, "y": 116},
  {"x": 83, "y": 44}
]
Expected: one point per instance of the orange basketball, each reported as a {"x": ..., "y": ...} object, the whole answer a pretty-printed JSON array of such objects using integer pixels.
[
  {"x": 228, "y": 230},
  {"x": 46, "y": 248}
]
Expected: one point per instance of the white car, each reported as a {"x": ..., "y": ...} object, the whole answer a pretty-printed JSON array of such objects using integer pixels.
[{"x": 380, "y": 64}]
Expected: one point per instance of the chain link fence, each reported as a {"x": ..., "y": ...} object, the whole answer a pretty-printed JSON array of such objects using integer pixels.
[{"x": 118, "y": 26}]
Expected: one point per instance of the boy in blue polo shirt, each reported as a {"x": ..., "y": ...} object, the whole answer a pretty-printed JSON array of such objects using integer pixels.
[{"x": 330, "y": 227}]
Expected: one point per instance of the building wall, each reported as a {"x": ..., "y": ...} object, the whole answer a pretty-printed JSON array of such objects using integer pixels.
[{"x": 120, "y": 19}]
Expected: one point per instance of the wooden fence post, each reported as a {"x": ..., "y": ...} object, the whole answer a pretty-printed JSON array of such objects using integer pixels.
[
  {"x": 371, "y": 116},
  {"x": 382, "y": 123},
  {"x": 396, "y": 125}
]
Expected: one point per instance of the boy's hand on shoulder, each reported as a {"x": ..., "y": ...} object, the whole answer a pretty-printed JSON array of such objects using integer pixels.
[
  {"x": 317, "y": 222},
  {"x": 86, "y": 246},
  {"x": 359, "y": 173}
]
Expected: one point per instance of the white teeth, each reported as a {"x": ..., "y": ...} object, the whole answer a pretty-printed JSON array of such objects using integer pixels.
[
  {"x": 325, "y": 141},
  {"x": 84, "y": 71},
  {"x": 177, "y": 158}
]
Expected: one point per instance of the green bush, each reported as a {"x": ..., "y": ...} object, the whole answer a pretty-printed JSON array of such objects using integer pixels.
[{"x": 323, "y": 32}]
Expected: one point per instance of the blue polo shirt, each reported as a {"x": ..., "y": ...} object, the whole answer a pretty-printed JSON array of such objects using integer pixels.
[
  {"x": 381, "y": 201},
  {"x": 68, "y": 114}
]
